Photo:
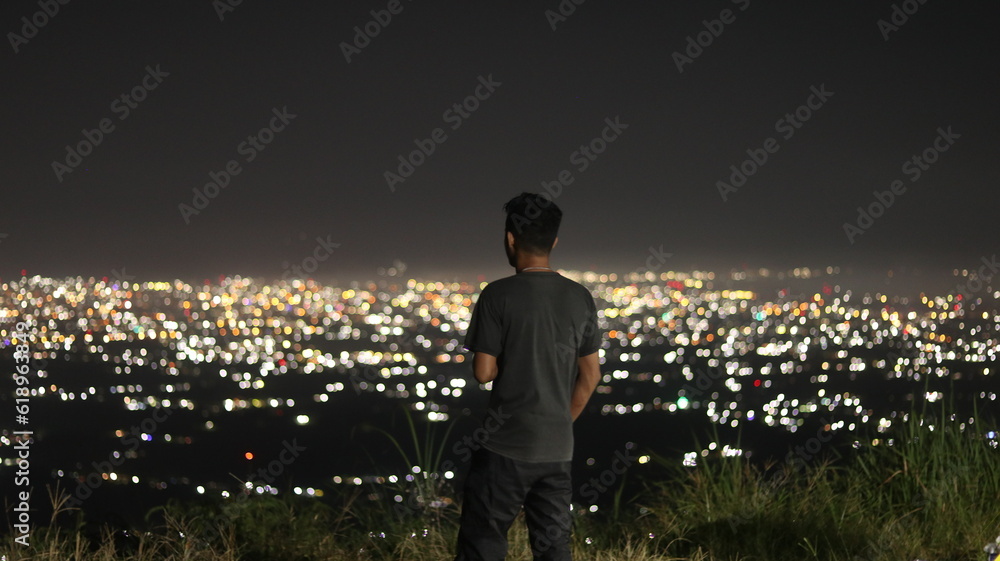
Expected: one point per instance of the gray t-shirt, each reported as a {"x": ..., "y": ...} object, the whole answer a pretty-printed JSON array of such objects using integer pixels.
[{"x": 537, "y": 324}]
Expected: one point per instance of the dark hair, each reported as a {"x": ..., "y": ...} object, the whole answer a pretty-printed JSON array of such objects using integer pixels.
[{"x": 534, "y": 220}]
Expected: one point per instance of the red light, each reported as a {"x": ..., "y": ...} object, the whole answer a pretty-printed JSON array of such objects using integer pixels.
[
  {"x": 756, "y": 383},
  {"x": 248, "y": 455}
]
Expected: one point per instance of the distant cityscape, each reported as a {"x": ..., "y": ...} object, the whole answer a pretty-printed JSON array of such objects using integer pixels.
[{"x": 298, "y": 354}]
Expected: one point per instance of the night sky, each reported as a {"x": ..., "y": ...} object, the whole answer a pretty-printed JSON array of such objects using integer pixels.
[{"x": 211, "y": 82}]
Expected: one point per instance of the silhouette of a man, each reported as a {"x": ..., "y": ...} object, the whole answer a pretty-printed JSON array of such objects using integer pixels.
[{"x": 535, "y": 336}]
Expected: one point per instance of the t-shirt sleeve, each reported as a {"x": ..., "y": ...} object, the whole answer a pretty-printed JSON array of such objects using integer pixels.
[
  {"x": 485, "y": 327},
  {"x": 590, "y": 343}
]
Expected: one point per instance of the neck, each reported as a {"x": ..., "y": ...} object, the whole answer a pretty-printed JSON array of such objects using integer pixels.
[{"x": 532, "y": 265}]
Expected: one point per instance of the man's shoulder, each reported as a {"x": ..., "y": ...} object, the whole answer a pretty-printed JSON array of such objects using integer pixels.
[
  {"x": 513, "y": 282},
  {"x": 579, "y": 286},
  {"x": 496, "y": 286},
  {"x": 571, "y": 284},
  {"x": 501, "y": 282}
]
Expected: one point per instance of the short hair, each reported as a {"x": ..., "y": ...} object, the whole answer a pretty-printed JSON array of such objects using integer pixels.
[{"x": 534, "y": 220}]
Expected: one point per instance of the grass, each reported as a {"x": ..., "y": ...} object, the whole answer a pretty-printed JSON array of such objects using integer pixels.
[{"x": 932, "y": 494}]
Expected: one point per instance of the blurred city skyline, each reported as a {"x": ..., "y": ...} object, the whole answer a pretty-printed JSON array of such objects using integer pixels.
[{"x": 227, "y": 371}]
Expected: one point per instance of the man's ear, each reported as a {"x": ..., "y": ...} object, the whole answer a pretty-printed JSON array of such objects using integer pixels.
[
  {"x": 554, "y": 242},
  {"x": 510, "y": 239}
]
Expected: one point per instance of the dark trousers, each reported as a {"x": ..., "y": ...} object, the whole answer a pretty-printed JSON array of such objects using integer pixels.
[{"x": 495, "y": 490}]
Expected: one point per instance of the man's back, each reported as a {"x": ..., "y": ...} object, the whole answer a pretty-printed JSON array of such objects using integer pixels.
[
  {"x": 537, "y": 324},
  {"x": 534, "y": 335}
]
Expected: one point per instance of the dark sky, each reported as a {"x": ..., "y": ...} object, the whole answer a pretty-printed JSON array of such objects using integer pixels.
[{"x": 654, "y": 185}]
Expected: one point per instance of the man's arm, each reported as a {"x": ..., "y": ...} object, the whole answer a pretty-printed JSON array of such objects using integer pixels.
[
  {"x": 484, "y": 367},
  {"x": 589, "y": 374}
]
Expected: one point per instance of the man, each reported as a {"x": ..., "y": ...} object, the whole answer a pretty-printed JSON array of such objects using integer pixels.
[{"x": 535, "y": 336}]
